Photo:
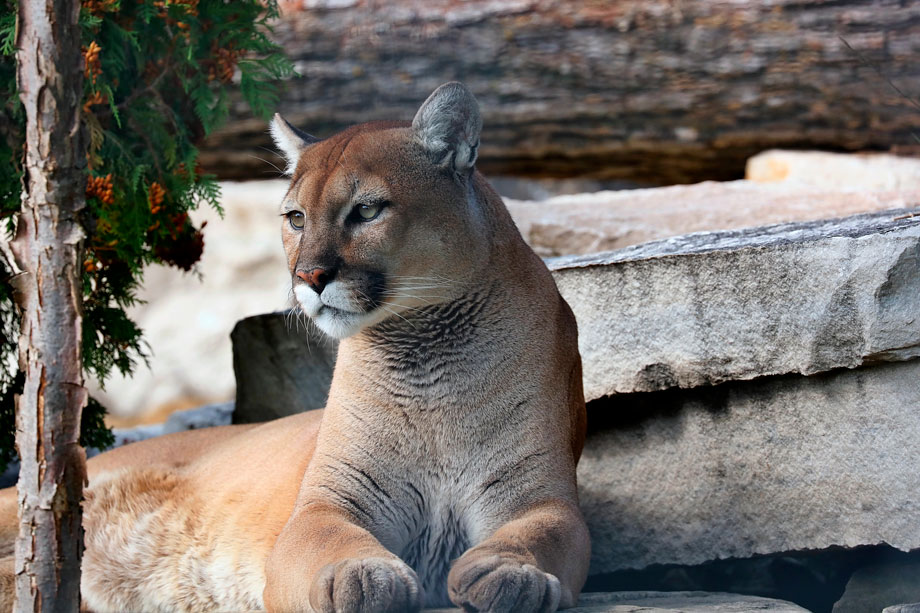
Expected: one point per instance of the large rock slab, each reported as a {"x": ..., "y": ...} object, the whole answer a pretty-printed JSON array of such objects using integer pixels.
[
  {"x": 283, "y": 366},
  {"x": 672, "y": 602},
  {"x": 877, "y": 587},
  {"x": 745, "y": 468},
  {"x": 871, "y": 171},
  {"x": 719, "y": 306},
  {"x": 589, "y": 223}
]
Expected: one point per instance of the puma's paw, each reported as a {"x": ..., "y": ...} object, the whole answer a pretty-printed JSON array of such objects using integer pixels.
[
  {"x": 493, "y": 583},
  {"x": 369, "y": 585}
]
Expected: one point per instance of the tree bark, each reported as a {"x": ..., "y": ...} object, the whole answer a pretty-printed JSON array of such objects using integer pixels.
[
  {"x": 652, "y": 91},
  {"x": 47, "y": 249}
]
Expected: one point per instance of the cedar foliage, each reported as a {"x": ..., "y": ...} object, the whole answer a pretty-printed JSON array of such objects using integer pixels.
[{"x": 158, "y": 75}]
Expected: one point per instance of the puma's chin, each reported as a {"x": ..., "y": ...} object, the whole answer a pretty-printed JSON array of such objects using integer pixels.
[
  {"x": 340, "y": 324},
  {"x": 336, "y": 322}
]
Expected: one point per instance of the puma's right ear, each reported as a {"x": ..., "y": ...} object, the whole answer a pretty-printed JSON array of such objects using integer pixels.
[
  {"x": 290, "y": 140},
  {"x": 447, "y": 125}
]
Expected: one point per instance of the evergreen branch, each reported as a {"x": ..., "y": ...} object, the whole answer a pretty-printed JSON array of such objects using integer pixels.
[{"x": 151, "y": 88}]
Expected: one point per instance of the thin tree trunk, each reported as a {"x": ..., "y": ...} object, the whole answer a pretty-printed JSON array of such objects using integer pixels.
[{"x": 47, "y": 248}]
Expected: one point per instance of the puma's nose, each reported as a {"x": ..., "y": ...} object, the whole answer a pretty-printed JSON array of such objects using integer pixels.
[{"x": 317, "y": 278}]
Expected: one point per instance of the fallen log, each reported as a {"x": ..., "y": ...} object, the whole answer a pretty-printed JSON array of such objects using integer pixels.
[{"x": 651, "y": 91}]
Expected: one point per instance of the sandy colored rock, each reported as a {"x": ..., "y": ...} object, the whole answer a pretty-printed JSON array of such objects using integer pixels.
[
  {"x": 746, "y": 468},
  {"x": 603, "y": 221},
  {"x": 672, "y": 602},
  {"x": 870, "y": 171},
  {"x": 704, "y": 308}
]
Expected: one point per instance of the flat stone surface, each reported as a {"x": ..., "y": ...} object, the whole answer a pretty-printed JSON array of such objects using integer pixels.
[
  {"x": 871, "y": 171},
  {"x": 672, "y": 602},
  {"x": 709, "y": 307},
  {"x": 602, "y": 221},
  {"x": 873, "y": 588},
  {"x": 283, "y": 366},
  {"x": 774, "y": 465}
]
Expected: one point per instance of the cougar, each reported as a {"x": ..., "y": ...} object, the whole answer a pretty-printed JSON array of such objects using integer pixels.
[{"x": 442, "y": 469}]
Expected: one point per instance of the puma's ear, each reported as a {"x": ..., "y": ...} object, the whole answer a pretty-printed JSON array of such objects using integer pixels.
[
  {"x": 290, "y": 140},
  {"x": 447, "y": 125}
]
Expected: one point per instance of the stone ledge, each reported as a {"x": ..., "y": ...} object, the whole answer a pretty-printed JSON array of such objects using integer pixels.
[
  {"x": 672, "y": 602},
  {"x": 710, "y": 307},
  {"x": 745, "y": 468},
  {"x": 602, "y": 221}
]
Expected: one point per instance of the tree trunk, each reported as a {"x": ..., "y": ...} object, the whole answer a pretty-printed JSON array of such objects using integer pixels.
[
  {"x": 47, "y": 249},
  {"x": 653, "y": 91}
]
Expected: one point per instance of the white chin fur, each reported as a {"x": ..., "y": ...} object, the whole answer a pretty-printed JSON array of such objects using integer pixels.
[{"x": 337, "y": 323}]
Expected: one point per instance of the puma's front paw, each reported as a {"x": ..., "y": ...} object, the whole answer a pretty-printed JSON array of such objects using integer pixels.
[
  {"x": 369, "y": 585},
  {"x": 492, "y": 583}
]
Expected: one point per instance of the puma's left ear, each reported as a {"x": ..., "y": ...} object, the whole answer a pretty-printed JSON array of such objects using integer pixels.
[
  {"x": 290, "y": 140},
  {"x": 447, "y": 125}
]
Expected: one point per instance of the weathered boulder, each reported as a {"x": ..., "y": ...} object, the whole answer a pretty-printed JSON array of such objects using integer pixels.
[
  {"x": 283, "y": 365},
  {"x": 720, "y": 306},
  {"x": 672, "y": 602},
  {"x": 873, "y": 588},
  {"x": 744, "y": 468},
  {"x": 870, "y": 171},
  {"x": 602, "y": 221}
]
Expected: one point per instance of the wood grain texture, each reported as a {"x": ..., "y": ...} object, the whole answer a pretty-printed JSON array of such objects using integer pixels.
[{"x": 655, "y": 91}]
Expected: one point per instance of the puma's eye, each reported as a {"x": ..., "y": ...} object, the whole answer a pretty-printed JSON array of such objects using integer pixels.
[
  {"x": 296, "y": 218},
  {"x": 368, "y": 212}
]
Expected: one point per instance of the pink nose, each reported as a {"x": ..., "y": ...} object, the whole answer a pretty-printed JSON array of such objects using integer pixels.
[{"x": 317, "y": 278}]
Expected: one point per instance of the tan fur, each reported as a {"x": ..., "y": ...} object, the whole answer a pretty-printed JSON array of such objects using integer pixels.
[{"x": 443, "y": 467}]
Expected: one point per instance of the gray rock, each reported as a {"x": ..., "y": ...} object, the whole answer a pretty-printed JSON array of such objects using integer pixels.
[
  {"x": 873, "y": 588},
  {"x": 710, "y": 307},
  {"x": 202, "y": 417},
  {"x": 192, "y": 419},
  {"x": 903, "y": 608},
  {"x": 672, "y": 602},
  {"x": 282, "y": 364},
  {"x": 745, "y": 468}
]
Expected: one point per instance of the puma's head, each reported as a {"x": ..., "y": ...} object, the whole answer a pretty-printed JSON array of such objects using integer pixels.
[{"x": 381, "y": 219}]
